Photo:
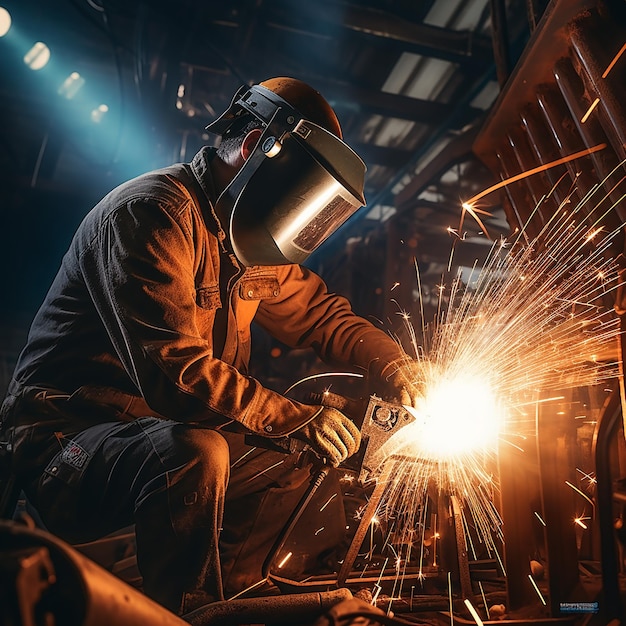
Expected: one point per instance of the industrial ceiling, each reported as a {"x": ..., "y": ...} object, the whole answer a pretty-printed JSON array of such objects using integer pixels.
[{"x": 411, "y": 82}]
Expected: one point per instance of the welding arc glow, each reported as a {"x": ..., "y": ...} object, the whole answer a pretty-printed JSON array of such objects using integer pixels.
[{"x": 458, "y": 415}]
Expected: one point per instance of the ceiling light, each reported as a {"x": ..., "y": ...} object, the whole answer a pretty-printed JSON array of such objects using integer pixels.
[
  {"x": 5, "y": 21},
  {"x": 71, "y": 85},
  {"x": 98, "y": 113},
  {"x": 38, "y": 56}
]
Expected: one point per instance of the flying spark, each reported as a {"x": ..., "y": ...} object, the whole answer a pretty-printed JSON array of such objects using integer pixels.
[
  {"x": 534, "y": 584},
  {"x": 474, "y": 613},
  {"x": 592, "y": 106},
  {"x": 614, "y": 61},
  {"x": 592, "y": 479},
  {"x": 578, "y": 491},
  {"x": 285, "y": 559}
]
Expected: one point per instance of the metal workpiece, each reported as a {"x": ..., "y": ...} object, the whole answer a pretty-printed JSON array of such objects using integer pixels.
[
  {"x": 595, "y": 38},
  {"x": 364, "y": 524},
  {"x": 461, "y": 549},
  {"x": 592, "y": 131},
  {"x": 383, "y": 420},
  {"x": 571, "y": 33},
  {"x": 567, "y": 95},
  {"x": 523, "y": 161},
  {"x": 545, "y": 150}
]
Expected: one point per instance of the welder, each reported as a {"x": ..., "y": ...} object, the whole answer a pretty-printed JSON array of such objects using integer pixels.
[{"x": 132, "y": 393}]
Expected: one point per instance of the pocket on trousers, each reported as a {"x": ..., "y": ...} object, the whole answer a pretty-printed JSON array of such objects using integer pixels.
[
  {"x": 69, "y": 465},
  {"x": 58, "y": 498}
]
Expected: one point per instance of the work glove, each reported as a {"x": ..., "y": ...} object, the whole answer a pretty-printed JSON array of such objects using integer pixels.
[
  {"x": 403, "y": 380},
  {"x": 331, "y": 435}
]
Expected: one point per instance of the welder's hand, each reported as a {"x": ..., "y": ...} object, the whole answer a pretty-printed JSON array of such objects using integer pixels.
[
  {"x": 403, "y": 380},
  {"x": 332, "y": 435}
]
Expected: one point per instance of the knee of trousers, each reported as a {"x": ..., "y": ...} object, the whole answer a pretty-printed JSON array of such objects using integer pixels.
[{"x": 205, "y": 466}]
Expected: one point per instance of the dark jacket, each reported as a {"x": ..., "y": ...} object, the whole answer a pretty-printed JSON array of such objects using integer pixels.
[{"x": 150, "y": 313}]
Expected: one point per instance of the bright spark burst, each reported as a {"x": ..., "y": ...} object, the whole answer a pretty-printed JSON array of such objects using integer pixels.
[
  {"x": 531, "y": 322},
  {"x": 447, "y": 425}
]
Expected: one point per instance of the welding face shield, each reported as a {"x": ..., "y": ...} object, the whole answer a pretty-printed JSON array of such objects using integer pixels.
[{"x": 299, "y": 184}]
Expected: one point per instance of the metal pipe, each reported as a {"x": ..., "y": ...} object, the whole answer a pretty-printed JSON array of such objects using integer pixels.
[
  {"x": 544, "y": 149},
  {"x": 591, "y": 131},
  {"x": 591, "y": 38},
  {"x": 517, "y": 193},
  {"x": 81, "y": 593},
  {"x": 500, "y": 40},
  {"x": 534, "y": 185},
  {"x": 288, "y": 609},
  {"x": 559, "y": 123}
]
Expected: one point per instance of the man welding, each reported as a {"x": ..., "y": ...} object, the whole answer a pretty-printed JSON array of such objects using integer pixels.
[{"x": 124, "y": 400}]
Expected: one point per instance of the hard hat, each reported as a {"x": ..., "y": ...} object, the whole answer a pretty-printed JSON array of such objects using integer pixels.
[
  {"x": 305, "y": 99},
  {"x": 301, "y": 181}
]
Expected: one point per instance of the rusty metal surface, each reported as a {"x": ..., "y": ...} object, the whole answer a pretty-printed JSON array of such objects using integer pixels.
[
  {"x": 461, "y": 550},
  {"x": 556, "y": 440},
  {"x": 606, "y": 163},
  {"x": 556, "y": 81},
  {"x": 548, "y": 43},
  {"x": 595, "y": 39},
  {"x": 519, "y": 491}
]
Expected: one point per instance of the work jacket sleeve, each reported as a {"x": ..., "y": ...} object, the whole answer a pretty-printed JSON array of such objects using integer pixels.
[
  {"x": 306, "y": 314},
  {"x": 143, "y": 282}
]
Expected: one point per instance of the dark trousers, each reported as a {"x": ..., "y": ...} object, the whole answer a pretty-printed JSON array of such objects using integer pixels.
[{"x": 171, "y": 480}]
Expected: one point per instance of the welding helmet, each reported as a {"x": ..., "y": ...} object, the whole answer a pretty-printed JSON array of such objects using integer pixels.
[{"x": 301, "y": 181}]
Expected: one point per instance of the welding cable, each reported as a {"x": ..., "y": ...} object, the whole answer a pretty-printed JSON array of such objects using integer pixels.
[{"x": 314, "y": 485}]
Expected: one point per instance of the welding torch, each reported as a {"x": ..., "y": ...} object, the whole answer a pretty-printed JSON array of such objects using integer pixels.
[{"x": 377, "y": 419}]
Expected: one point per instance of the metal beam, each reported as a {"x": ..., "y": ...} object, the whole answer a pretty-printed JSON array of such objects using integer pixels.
[
  {"x": 381, "y": 155},
  {"x": 456, "y": 151},
  {"x": 439, "y": 249},
  {"x": 392, "y": 105},
  {"x": 462, "y": 47}
]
